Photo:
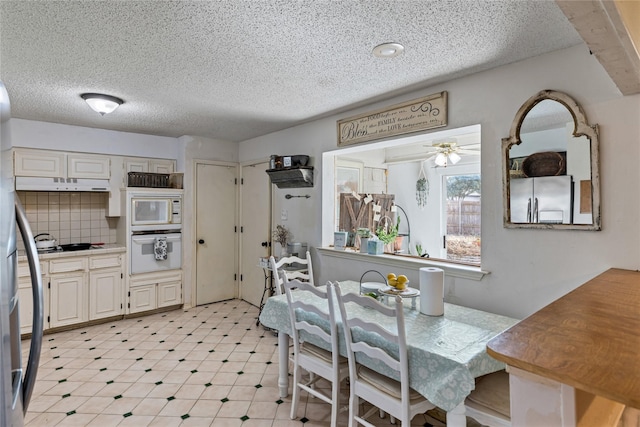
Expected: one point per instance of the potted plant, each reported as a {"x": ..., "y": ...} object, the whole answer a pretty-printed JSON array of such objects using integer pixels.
[
  {"x": 282, "y": 236},
  {"x": 363, "y": 235},
  {"x": 387, "y": 233}
]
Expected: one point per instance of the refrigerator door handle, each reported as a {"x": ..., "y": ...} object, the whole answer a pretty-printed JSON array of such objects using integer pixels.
[
  {"x": 535, "y": 210},
  {"x": 38, "y": 304},
  {"x": 529, "y": 210}
]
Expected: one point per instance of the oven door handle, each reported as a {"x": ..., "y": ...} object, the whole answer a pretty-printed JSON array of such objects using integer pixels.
[{"x": 142, "y": 240}]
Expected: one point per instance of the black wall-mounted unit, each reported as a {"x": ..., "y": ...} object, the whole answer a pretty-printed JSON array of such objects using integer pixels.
[{"x": 296, "y": 177}]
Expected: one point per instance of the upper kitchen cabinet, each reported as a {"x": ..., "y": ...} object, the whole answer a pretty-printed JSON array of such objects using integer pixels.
[
  {"x": 139, "y": 164},
  {"x": 41, "y": 163},
  {"x": 88, "y": 166},
  {"x": 162, "y": 166},
  {"x": 57, "y": 164}
]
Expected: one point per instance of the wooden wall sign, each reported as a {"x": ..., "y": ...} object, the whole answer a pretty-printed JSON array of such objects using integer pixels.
[
  {"x": 359, "y": 210},
  {"x": 412, "y": 116}
]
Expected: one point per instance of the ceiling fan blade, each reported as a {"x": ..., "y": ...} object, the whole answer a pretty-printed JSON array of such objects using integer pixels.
[
  {"x": 469, "y": 147},
  {"x": 431, "y": 148}
]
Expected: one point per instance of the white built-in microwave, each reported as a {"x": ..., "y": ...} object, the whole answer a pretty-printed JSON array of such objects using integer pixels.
[{"x": 156, "y": 212}]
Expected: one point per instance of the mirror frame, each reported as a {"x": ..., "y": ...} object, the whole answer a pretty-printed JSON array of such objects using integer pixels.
[{"x": 581, "y": 127}]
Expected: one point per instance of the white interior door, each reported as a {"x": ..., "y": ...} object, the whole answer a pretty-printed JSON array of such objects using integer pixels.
[
  {"x": 216, "y": 241},
  {"x": 255, "y": 237}
]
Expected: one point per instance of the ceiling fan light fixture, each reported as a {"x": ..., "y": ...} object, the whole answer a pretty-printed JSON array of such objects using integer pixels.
[
  {"x": 100, "y": 103},
  {"x": 441, "y": 159},
  {"x": 454, "y": 157},
  {"x": 388, "y": 50}
]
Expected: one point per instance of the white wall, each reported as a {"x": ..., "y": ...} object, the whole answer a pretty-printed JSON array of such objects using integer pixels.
[{"x": 529, "y": 268}]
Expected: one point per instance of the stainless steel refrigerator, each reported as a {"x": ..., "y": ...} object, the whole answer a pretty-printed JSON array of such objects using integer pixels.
[
  {"x": 16, "y": 383},
  {"x": 547, "y": 199}
]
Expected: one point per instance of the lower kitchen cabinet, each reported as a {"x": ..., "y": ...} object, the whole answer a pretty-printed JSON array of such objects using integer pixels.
[
  {"x": 77, "y": 289},
  {"x": 106, "y": 286},
  {"x": 82, "y": 288},
  {"x": 69, "y": 291},
  {"x": 142, "y": 298},
  {"x": 149, "y": 291},
  {"x": 69, "y": 299},
  {"x": 105, "y": 293},
  {"x": 169, "y": 293},
  {"x": 25, "y": 297}
]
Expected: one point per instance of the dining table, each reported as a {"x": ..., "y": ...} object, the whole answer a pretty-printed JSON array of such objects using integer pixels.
[{"x": 446, "y": 353}]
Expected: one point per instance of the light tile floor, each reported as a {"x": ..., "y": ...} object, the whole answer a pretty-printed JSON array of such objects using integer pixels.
[{"x": 205, "y": 366}]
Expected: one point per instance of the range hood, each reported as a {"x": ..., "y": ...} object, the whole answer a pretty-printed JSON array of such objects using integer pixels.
[
  {"x": 295, "y": 177},
  {"x": 61, "y": 184}
]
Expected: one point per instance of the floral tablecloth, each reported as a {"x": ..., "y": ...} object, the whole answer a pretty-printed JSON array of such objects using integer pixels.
[{"x": 446, "y": 353}]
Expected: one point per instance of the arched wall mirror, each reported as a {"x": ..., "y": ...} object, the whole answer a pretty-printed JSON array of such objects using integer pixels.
[{"x": 550, "y": 166}]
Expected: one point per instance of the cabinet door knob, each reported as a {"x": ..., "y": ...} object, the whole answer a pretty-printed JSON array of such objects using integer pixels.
[{"x": 201, "y": 241}]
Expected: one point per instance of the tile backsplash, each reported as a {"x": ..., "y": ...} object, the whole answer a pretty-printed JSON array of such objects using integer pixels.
[{"x": 70, "y": 217}]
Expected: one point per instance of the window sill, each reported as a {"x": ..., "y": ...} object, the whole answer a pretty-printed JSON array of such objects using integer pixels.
[{"x": 453, "y": 270}]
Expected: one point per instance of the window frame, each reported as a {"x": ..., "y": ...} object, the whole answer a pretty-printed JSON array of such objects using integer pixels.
[{"x": 329, "y": 162}]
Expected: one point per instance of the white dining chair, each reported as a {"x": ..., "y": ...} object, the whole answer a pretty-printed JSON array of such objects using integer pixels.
[
  {"x": 489, "y": 402},
  {"x": 319, "y": 362},
  {"x": 292, "y": 267},
  {"x": 395, "y": 398}
]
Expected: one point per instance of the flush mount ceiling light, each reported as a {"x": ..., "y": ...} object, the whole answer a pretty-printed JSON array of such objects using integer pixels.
[
  {"x": 103, "y": 104},
  {"x": 388, "y": 50}
]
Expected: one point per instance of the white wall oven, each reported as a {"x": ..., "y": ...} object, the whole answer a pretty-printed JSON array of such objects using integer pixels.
[
  {"x": 155, "y": 252},
  {"x": 155, "y": 225},
  {"x": 155, "y": 211}
]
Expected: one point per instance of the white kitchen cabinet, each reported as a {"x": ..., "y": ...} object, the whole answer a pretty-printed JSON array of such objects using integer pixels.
[
  {"x": 25, "y": 297},
  {"x": 162, "y": 166},
  {"x": 169, "y": 292},
  {"x": 105, "y": 261},
  {"x": 105, "y": 293},
  {"x": 105, "y": 286},
  {"x": 59, "y": 164},
  {"x": 141, "y": 164},
  {"x": 149, "y": 291},
  {"x": 69, "y": 299},
  {"x": 136, "y": 164},
  {"x": 142, "y": 298},
  {"x": 68, "y": 264},
  {"x": 88, "y": 166},
  {"x": 85, "y": 287},
  {"x": 39, "y": 163}
]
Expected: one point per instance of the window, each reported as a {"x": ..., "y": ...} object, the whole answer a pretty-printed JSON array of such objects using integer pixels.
[
  {"x": 461, "y": 231},
  {"x": 432, "y": 201}
]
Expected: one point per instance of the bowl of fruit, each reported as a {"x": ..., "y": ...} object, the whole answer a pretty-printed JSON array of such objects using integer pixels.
[{"x": 398, "y": 285}]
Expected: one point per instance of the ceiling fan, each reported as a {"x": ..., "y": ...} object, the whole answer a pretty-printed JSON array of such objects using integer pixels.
[
  {"x": 445, "y": 151},
  {"x": 448, "y": 150}
]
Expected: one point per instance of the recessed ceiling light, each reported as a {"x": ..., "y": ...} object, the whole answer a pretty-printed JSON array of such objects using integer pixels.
[{"x": 388, "y": 50}]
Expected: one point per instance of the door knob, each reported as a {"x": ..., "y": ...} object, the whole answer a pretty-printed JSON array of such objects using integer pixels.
[
  {"x": 201, "y": 241},
  {"x": 265, "y": 244}
]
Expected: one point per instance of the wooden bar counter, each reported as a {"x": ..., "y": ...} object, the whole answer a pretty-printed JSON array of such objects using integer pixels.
[{"x": 581, "y": 352}]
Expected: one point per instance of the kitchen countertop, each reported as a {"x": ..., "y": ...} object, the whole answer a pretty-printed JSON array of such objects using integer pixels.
[
  {"x": 94, "y": 250},
  {"x": 587, "y": 339}
]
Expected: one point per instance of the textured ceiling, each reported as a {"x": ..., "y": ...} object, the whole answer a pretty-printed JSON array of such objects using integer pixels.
[{"x": 235, "y": 69}]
